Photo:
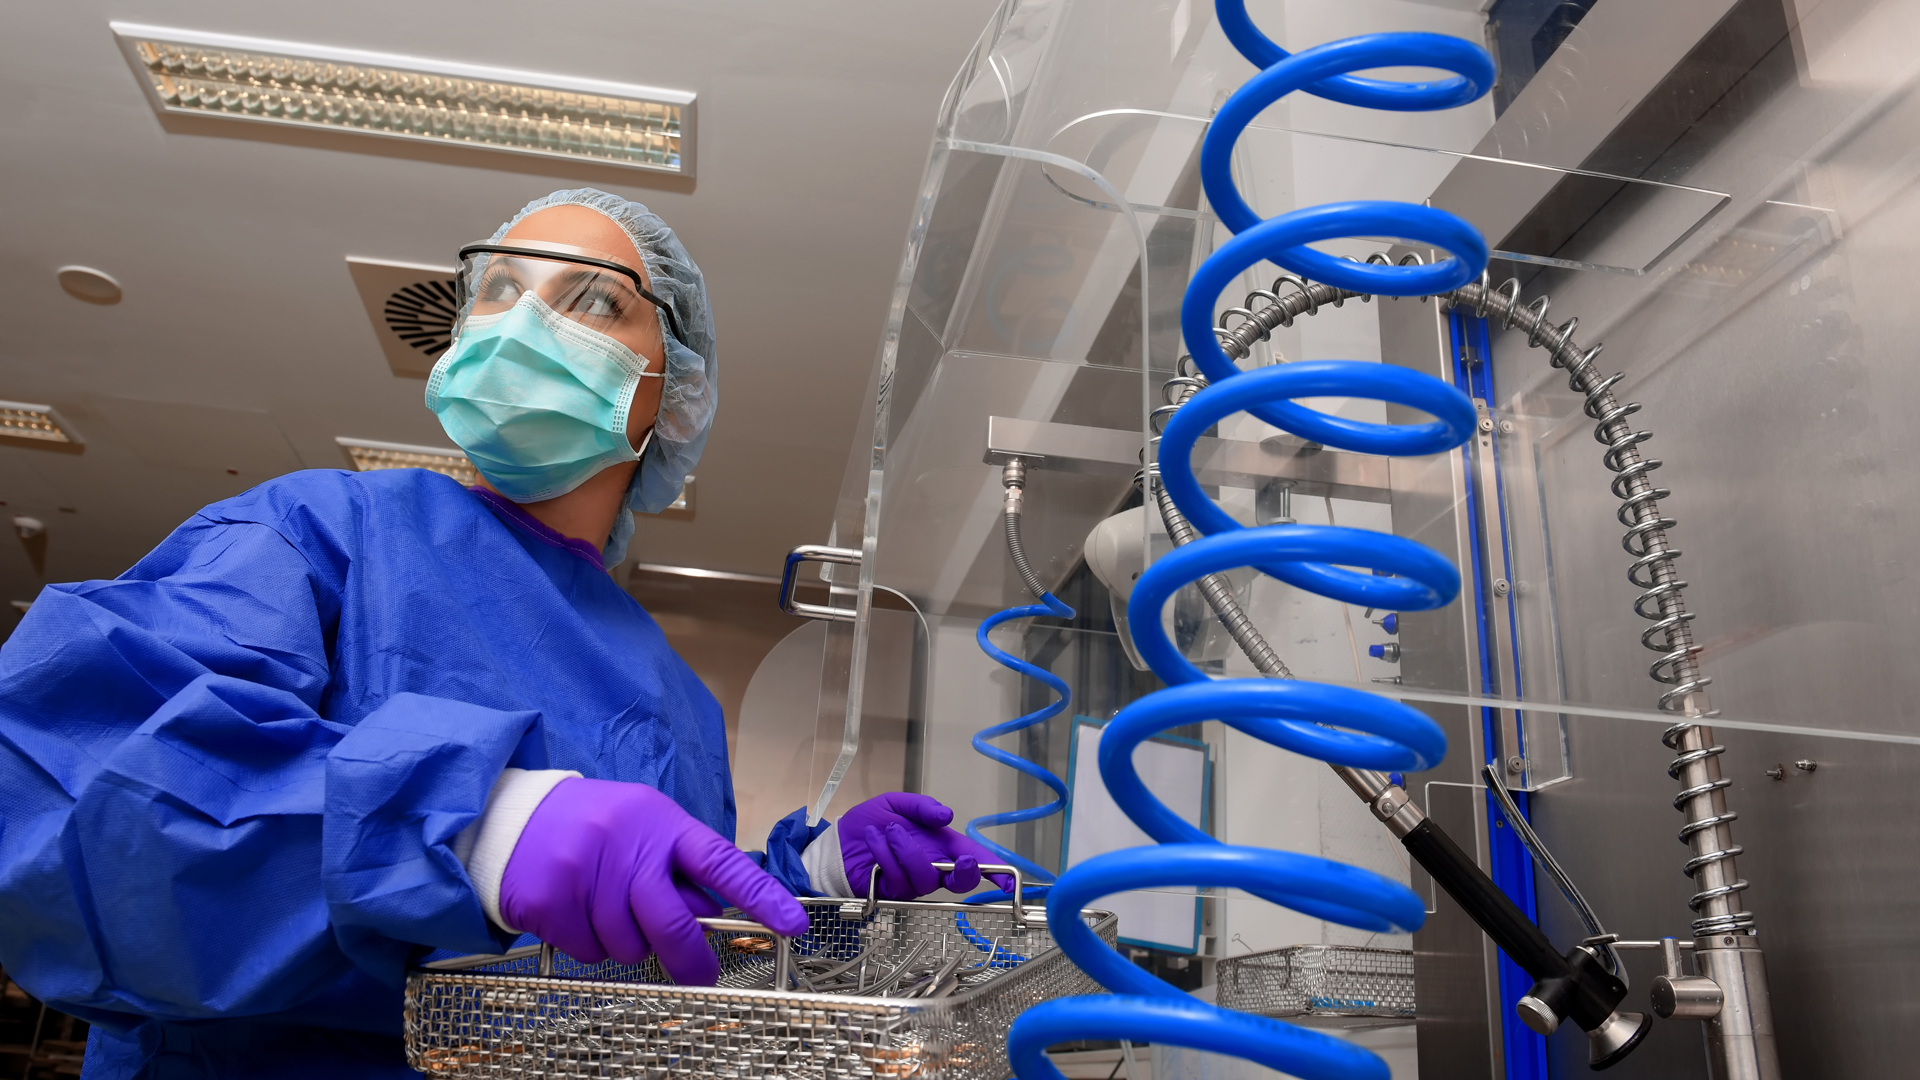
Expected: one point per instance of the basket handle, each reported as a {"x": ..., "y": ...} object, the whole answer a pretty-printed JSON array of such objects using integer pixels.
[{"x": 1018, "y": 897}]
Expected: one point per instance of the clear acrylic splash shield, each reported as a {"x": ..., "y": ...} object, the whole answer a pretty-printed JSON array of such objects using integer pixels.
[{"x": 1059, "y": 220}]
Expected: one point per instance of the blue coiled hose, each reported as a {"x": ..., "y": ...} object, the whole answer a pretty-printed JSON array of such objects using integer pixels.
[
  {"x": 1336, "y": 724},
  {"x": 1048, "y": 605}
]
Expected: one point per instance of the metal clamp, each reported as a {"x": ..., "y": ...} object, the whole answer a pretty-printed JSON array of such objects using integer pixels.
[
  {"x": 1018, "y": 898},
  {"x": 1675, "y": 994},
  {"x": 789, "y": 579}
]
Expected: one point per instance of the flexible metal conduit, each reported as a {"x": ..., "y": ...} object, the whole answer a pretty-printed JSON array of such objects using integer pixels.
[
  {"x": 1253, "y": 644},
  {"x": 1741, "y": 1035},
  {"x": 1214, "y": 587},
  {"x": 1708, "y": 826}
]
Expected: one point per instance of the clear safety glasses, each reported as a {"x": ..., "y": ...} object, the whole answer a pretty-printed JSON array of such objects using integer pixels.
[{"x": 591, "y": 288}]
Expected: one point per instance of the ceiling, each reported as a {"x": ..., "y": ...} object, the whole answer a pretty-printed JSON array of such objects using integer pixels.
[{"x": 241, "y": 349}]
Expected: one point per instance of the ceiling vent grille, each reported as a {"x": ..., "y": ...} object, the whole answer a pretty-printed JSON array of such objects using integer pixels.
[
  {"x": 411, "y": 307},
  {"x": 422, "y": 315}
]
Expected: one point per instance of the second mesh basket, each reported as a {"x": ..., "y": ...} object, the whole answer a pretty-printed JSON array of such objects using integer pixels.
[{"x": 1320, "y": 980}]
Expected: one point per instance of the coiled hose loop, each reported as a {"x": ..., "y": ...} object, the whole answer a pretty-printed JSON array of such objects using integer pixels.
[
  {"x": 1336, "y": 724},
  {"x": 1048, "y": 605}
]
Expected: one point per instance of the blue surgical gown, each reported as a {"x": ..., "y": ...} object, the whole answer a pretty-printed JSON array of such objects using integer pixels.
[{"x": 230, "y": 779}]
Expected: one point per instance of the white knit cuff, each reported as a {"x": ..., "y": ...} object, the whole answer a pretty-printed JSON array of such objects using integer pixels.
[
  {"x": 826, "y": 870},
  {"x": 485, "y": 846}
]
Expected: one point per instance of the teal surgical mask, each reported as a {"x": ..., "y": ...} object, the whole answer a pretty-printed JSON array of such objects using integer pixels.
[{"x": 538, "y": 401}]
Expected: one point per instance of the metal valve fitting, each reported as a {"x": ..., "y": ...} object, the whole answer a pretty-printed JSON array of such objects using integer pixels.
[
  {"x": 1686, "y": 997},
  {"x": 1013, "y": 475},
  {"x": 1677, "y": 995}
]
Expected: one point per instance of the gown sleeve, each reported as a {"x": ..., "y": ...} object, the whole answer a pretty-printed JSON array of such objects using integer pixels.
[
  {"x": 182, "y": 835},
  {"x": 786, "y": 843}
]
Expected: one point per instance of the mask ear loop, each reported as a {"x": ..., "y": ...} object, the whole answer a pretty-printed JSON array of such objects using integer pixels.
[{"x": 648, "y": 440}]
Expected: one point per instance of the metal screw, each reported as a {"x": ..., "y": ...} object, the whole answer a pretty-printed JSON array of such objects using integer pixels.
[
  {"x": 1777, "y": 772},
  {"x": 1500, "y": 587},
  {"x": 1806, "y": 766},
  {"x": 1516, "y": 764},
  {"x": 1506, "y": 427},
  {"x": 1486, "y": 424}
]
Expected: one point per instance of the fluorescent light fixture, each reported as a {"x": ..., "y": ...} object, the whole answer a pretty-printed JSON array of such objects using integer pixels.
[
  {"x": 367, "y": 456},
  {"x": 705, "y": 575},
  {"x": 405, "y": 97},
  {"x": 37, "y": 427}
]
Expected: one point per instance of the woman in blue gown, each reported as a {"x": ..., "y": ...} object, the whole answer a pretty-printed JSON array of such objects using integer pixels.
[{"x": 293, "y": 749}]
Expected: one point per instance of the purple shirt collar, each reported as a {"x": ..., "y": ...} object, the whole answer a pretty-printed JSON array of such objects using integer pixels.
[{"x": 518, "y": 515}]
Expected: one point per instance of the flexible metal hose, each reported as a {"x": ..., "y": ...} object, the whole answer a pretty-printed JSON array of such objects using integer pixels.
[
  {"x": 1019, "y": 554},
  {"x": 1367, "y": 784},
  {"x": 1707, "y": 830},
  {"x": 1218, "y": 593}
]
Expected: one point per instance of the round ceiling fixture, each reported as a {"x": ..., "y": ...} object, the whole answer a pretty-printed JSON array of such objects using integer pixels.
[
  {"x": 422, "y": 315},
  {"x": 86, "y": 283}
]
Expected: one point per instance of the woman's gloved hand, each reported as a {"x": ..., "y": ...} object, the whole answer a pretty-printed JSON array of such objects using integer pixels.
[
  {"x": 606, "y": 869},
  {"x": 904, "y": 835}
]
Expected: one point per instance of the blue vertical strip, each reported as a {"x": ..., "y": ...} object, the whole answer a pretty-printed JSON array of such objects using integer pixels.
[{"x": 1512, "y": 870}]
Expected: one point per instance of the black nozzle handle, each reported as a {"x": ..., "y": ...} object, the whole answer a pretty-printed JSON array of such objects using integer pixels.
[
  {"x": 1577, "y": 986},
  {"x": 1493, "y": 910}
]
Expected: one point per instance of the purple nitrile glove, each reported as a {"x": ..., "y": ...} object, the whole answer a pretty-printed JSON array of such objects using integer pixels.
[
  {"x": 607, "y": 869},
  {"x": 905, "y": 835}
]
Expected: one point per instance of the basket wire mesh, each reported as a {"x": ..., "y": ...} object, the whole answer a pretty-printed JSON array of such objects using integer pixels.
[
  {"x": 970, "y": 972},
  {"x": 1320, "y": 980}
]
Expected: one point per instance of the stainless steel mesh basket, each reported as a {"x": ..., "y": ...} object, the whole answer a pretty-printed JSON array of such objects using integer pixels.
[
  {"x": 501, "y": 1017},
  {"x": 1320, "y": 980}
]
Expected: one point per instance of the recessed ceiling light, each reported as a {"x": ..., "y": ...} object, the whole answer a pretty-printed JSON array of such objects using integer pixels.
[
  {"x": 37, "y": 427},
  {"x": 312, "y": 86},
  {"x": 369, "y": 456},
  {"x": 86, "y": 283}
]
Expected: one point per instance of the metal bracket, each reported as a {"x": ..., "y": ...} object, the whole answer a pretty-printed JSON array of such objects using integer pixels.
[
  {"x": 789, "y": 579},
  {"x": 1114, "y": 452}
]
